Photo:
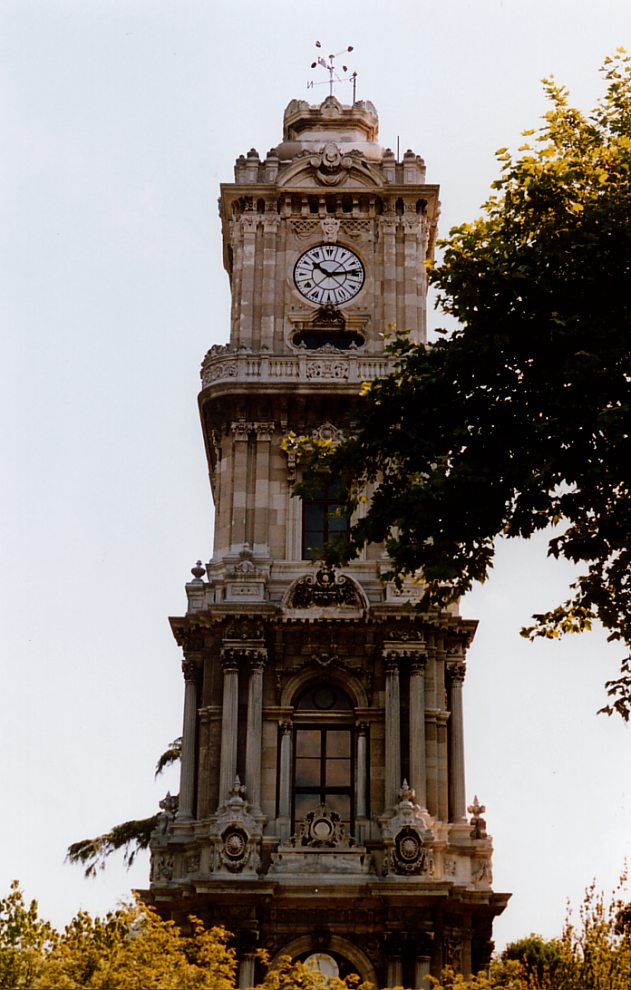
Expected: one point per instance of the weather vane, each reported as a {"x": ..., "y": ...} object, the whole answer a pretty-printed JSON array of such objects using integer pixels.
[{"x": 329, "y": 64}]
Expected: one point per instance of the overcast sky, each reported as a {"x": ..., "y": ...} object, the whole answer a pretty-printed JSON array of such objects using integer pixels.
[{"x": 119, "y": 120}]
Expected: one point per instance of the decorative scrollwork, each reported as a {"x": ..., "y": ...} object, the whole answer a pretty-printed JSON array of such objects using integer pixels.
[
  {"x": 323, "y": 590},
  {"x": 321, "y": 829}
]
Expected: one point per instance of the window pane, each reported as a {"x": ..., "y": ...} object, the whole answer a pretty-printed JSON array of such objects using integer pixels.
[
  {"x": 338, "y": 743},
  {"x": 337, "y": 524},
  {"x": 305, "y": 803},
  {"x": 338, "y": 773},
  {"x": 308, "y": 771},
  {"x": 308, "y": 742},
  {"x": 342, "y": 804}
]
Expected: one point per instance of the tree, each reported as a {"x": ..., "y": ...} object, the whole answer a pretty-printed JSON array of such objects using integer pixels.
[
  {"x": 132, "y": 948},
  {"x": 132, "y": 836},
  {"x": 24, "y": 940},
  {"x": 539, "y": 957},
  {"x": 518, "y": 419}
]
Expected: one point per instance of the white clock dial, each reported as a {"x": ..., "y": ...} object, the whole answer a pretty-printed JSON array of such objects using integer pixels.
[{"x": 329, "y": 274}]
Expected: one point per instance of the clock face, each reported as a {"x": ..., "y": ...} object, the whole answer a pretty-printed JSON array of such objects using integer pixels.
[
  {"x": 328, "y": 274},
  {"x": 323, "y": 963}
]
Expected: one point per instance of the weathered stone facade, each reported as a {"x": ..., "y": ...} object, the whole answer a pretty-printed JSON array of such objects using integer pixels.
[{"x": 322, "y": 806}]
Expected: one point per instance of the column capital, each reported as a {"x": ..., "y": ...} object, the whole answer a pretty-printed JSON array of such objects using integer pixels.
[
  {"x": 391, "y": 662},
  {"x": 456, "y": 672},
  {"x": 257, "y": 660},
  {"x": 271, "y": 222},
  {"x": 230, "y": 658},
  {"x": 418, "y": 662},
  {"x": 190, "y": 667},
  {"x": 240, "y": 429},
  {"x": 263, "y": 430}
]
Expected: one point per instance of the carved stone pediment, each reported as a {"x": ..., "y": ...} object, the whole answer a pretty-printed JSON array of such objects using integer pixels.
[
  {"x": 329, "y": 167},
  {"x": 325, "y": 589}
]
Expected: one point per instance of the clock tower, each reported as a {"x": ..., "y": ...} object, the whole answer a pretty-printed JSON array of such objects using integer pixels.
[{"x": 322, "y": 810}]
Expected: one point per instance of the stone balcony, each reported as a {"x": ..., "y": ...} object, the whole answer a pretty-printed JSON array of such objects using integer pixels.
[{"x": 224, "y": 362}]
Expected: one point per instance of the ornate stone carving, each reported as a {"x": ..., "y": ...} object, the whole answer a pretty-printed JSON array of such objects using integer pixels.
[
  {"x": 330, "y": 165},
  {"x": 477, "y": 822},
  {"x": 236, "y": 836},
  {"x": 263, "y": 430},
  {"x": 162, "y": 867},
  {"x": 358, "y": 229},
  {"x": 245, "y": 570},
  {"x": 327, "y": 369},
  {"x": 240, "y": 429},
  {"x": 168, "y": 808},
  {"x": 192, "y": 862},
  {"x": 323, "y": 590},
  {"x": 482, "y": 871},
  {"x": 452, "y": 950},
  {"x": 190, "y": 666},
  {"x": 449, "y": 866},
  {"x": 304, "y": 227},
  {"x": 329, "y": 432},
  {"x": 456, "y": 672},
  {"x": 330, "y": 228},
  {"x": 244, "y": 628},
  {"x": 321, "y": 829},
  {"x": 233, "y": 656},
  {"x": 408, "y": 838}
]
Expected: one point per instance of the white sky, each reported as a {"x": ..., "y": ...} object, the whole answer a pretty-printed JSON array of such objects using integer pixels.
[{"x": 119, "y": 120}]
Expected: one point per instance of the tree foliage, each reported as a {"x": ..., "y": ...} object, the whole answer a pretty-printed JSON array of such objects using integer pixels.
[
  {"x": 131, "y": 837},
  {"x": 518, "y": 420}
]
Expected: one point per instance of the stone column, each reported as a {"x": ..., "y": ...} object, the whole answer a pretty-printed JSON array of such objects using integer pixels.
[
  {"x": 388, "y": 229},
  {"x": 421, "y": 971},
  {"x": 417, "y": 729},
  {"x": 254, "y": 731},
  {"x": 239, "y": 486},
  {"x": 249, "y": 223},
  {"x": 457, "y": 799},
  {"x": 262, "y": 511},
  {"x": 394, "y": 971},
  {"x": 411, "y": 267},
  {"x": 189, "y": 726},
  {"x": 362, "y": 769},
  {"x": 246, "y": 970},
  {"x": 271, "y": 224},
  {"x": 229, "y": 723},
  {"x": 442, "y": 768},
  {"x": 284, "y": 783},
  {"x": 393, "y": 733},
  {"x": 431, "y": 746},
  {"x": 204, "y": 808}
]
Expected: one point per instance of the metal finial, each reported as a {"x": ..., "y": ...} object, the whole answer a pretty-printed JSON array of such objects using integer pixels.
[{"x": 328, "y": 64}]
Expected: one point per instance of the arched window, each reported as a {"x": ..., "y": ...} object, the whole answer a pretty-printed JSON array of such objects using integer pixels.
[{"x": 324, "y": 766}]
